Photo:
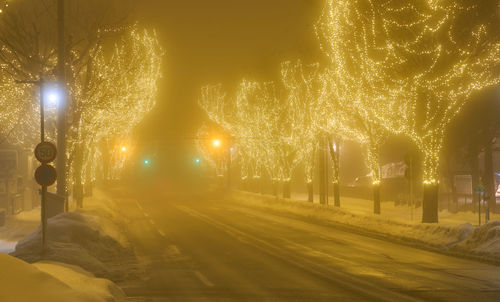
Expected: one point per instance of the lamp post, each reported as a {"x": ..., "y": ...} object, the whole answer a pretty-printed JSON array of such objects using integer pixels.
[
  {"x": 50, "y": 92},
  {"x": 61, "y": 112}
]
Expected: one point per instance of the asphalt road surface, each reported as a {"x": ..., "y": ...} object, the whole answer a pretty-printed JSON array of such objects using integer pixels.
[{"x": 208, "y": 249}]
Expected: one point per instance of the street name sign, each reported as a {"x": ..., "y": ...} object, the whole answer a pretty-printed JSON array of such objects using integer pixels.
[
  {"x": 45, "y": 152},
  {"x": 45, "y": 175}
]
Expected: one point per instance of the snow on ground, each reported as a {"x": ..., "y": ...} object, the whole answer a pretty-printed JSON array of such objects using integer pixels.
[
  {"x": 96, "y": 289},
  {"x": 17, "y": 227},
  {"x": 403, "y": 213},
  {"x": 52, "y": 282},
  {"x": 451, "y": 235},
  {"x": 90, "y": 238}
]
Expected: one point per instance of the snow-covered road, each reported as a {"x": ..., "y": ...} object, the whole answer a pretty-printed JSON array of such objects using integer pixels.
[{"x": 196, "y": 248}]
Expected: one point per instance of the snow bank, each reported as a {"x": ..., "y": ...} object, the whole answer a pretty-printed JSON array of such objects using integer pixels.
[
  {"x": 90, "y": 238},
  {"x": 23, "y": 282},
  {"x": 465, "y": 239},
  {"x": 83, "y": 282}
]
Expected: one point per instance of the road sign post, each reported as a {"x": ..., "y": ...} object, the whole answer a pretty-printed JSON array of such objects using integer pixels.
[
  {"x": 45, "y": 152},
  {"x": 480, "y": 191},
  {"x": 45, "y": 175}
]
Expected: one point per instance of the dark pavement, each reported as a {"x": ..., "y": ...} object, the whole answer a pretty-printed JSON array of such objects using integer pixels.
[{"x": 208, "y": 249}]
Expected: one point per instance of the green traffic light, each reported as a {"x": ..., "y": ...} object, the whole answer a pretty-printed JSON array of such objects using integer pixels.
[
  {"x": 146, "y": 161},
  {"x": 197, "y": 160}
]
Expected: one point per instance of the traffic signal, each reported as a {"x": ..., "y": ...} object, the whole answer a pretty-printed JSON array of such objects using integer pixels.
[
  {"x": 197, "y": 160},
  {"x": 146, "y": 162}
]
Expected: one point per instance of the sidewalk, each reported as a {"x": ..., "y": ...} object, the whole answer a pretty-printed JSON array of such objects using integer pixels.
[
  {"x": 18, "y": 227},
  {"x": 401, "y": 213},
  {"x": 91, "y": 238},
  {"x": 450, "y": 236},
  {"x": 81, "y": 245}
]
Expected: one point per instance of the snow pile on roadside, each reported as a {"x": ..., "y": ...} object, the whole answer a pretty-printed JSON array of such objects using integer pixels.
[
  {"x": 24, "y": 282},
  {"x": 90, "y": 238},
  {"x": 96, "y": 289},
  {"x": 483, "y": 240},
  {"x": 465, "y": 239}
]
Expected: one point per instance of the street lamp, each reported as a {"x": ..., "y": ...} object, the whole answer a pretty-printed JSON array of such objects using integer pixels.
[
  {"x": 48, "y": 92},
  {"x": 216, "y": 143},
  {"x": 52, "y": 93},
  {"x": 124, "y": 149}
]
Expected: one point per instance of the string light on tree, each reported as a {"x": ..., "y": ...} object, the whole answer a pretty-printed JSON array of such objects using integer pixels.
[{"x": 420, "y": 61}]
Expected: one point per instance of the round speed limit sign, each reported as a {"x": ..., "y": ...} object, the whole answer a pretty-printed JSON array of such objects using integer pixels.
[{"x": 45, "y": 152}]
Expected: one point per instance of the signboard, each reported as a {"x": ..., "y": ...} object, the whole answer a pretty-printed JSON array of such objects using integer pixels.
[
  {"x": 45, "y": 152},
  {"x": 45, "y": 175}
]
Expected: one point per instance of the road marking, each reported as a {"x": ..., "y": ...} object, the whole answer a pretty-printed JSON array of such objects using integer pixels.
[
  {"x": 203, "y": 279},
  {"x": 150, "y": 219},
  {"x": 347, "y": 280}
]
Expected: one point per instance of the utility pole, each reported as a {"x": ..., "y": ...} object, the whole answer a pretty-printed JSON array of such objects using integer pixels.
[
  {"x": 61, "y": 113},
  {"x": 43, "y": 197}
]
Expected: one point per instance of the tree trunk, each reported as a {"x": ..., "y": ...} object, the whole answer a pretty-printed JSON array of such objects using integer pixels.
[
  {"x": 431, "y": 150},
  {"x": 454, "y": 195},
  {"x": 336, "y": 194},
  {"x": 245, "y": 184},
  {"x": 256, "y": 184},
  {"x": 106, "y": 162},
  {"x": 376, "y": 198},
  {"x": 275, "y": 188},
  {"x": 88, "y": 188},
  {"x": 474, "y": 164},
  {"x": 430, "y": 203},
  {"x": 323, "y": 180},
  {"x": 261, "y": 185},
  {"x": 286, "y": 190},
  {"x": 335, "y": 154},
  {"x": 310, "y": 192},
  {"x": 77, "y": 175},
  {"x": 489, "y": 177}
]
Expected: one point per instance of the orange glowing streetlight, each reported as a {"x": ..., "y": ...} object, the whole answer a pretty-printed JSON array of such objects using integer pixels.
[
  {"x": 124, "y": 149},
  {"x": 216, "y": 143}
]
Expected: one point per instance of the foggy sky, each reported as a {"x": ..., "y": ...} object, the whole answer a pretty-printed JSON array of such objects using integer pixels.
[{"x": 210, "y": 41}]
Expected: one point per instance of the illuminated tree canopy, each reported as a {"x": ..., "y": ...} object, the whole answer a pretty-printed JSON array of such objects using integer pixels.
[
  {"x": 262, "y": 126},
  {"x": 412, "y": 64},
  {"x": 303, "y": 86},
  {"x": 112, "y": 73},
  {"x": 111, "y": 95}
]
